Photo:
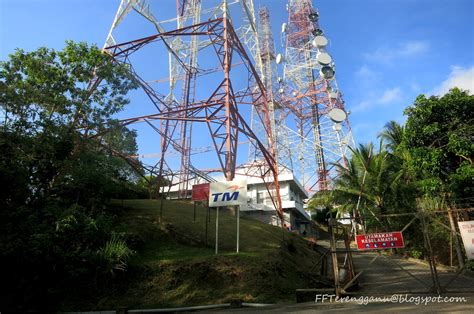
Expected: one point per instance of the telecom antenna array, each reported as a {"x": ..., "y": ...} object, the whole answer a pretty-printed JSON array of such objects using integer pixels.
[{"x": 318, "y": 124}]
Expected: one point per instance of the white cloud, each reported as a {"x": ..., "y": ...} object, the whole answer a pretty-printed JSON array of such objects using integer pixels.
[
  {"x": 362, "y": 106},
  {"x": 462, "y": 78},
  {"x": 390, "y": 95},
  {"x": 367, "y": 74},
  {"x": 365, "y": 71},
  {"x": 402, "y": 50},
  {"x": 386, "y": 97},
  {"x": 412, "y": 48}
]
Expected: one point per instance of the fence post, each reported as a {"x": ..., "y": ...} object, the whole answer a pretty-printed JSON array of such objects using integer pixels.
[
  {"x": 455, "y": 237},
  {"x": 426, "y": 237},
  {"x": 335, "y": 266}
]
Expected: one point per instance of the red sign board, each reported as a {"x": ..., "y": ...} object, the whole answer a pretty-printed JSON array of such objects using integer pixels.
[
  {"x": 200, "y": 192},
  {"x": 378, "y": 241}
]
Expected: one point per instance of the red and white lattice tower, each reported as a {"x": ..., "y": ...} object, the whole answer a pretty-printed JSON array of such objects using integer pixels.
[
  {"x": 203, "y": 48},
  {"x": 270, "y": 79},
  {"x": 319, "y": 130}
]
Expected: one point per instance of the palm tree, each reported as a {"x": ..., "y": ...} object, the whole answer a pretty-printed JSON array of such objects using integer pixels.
[
  {"x": 392, "y": 134},
  {"x": 369, "y": 180}
]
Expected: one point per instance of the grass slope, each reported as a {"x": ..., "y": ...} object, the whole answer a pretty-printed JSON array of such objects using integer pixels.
[{"x": 173, "y": 266}]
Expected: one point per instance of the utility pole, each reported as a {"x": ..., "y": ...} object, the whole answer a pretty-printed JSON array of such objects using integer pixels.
[
  {"x": 238, "y": 228},
  {"x": 217, "y": 230}
]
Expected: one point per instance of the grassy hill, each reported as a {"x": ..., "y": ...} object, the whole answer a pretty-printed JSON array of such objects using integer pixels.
[{"x": 174, "y": 264}]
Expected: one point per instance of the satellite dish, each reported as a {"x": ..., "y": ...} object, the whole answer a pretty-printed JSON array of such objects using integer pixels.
[
  {"x": 280, "y": 79},
  {"x": 281, "y": 90},
  {"x": 283, "y": 27},
  {"x": 319, "y": 42},
  {"x": 327, "y": 72},
  {"x": 294, "y": 94},
  {"x": 317, "y": 32},
  {"x": 313, "y": 16},
  {"x": 337, "y": 115},
  {"x": 323, "y": 58},
  {"x": 279, "y": 58}
]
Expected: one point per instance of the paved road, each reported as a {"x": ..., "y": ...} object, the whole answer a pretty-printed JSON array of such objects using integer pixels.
[
  {"x": 395, "y": 274},
  {"x": 386, "y": 276},
  {"x": 383, "y": 279}
]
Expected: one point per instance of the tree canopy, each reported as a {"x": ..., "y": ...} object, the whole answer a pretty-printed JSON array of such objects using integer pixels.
[
  {"x": 56, "y": 178},
  {"x": 439, "y": 137}
]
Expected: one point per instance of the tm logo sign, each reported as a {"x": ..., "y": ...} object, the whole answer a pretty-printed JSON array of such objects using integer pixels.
[
  {"x": 226, "y": 196},
  {"x": 228, "y": 193}
]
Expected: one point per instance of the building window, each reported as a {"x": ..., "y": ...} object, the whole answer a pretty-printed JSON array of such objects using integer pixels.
[{"x": 260, "y": 198}]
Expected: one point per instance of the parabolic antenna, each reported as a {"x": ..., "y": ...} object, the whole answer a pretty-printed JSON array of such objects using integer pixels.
[
  {"x": 313, "y": 16},
  {"x": 327, "y": 72},
  {"x": 317, "y": 32},
  {"x": 283, "y": 27},
  {"x": 319, "y": 42},
  {"x": 337, "y": 115},
  {"x": 323, "y": 58},
  {"x": 279, "y": 58}
]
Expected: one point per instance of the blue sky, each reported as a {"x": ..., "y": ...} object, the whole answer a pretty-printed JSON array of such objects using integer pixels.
[{"x": 386, "y": 51}]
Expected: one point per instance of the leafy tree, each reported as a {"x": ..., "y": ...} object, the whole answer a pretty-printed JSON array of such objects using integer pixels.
[
  {"x": 439, "y": 138},
  {"x": 152, "y": 184},
  {"x": 46, "y": 100},
  {"x": 56, "y": 179},
  {"x": 439, "y": 142}
]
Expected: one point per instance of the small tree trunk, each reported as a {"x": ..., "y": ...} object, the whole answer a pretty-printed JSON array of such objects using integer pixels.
[
  {"x": 429, "y": 250},
  {"x": 457, "y": 245}
]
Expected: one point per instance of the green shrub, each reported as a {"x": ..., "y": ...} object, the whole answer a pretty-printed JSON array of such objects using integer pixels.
[
  {"x": 470, "y": 265},
  {"x": 114, "y": 255},
  {"x": 416, "y": 253}
]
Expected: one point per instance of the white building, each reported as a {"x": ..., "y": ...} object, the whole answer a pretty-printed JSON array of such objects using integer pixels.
[
  {"x": 260, "y": 205},
  {"x": 293, "y": 196}
]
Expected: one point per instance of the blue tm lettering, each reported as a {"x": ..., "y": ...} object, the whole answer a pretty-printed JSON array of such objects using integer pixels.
[{"x": 228, "y": 197}]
